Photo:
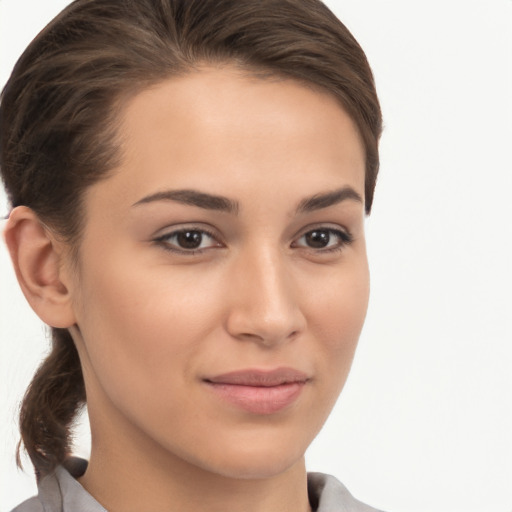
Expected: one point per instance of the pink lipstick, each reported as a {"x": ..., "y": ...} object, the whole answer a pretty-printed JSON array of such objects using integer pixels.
[{"x": 259, "y": 391}]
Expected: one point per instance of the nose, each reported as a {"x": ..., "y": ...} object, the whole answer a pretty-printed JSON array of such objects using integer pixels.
[{"x": 264, "y": 305}]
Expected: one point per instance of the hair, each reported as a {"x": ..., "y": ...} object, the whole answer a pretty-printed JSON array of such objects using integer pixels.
[{"x": 59, "y": 113}]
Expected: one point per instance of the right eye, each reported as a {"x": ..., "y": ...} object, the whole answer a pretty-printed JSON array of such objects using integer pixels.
[{"x": 188, "y": 241}]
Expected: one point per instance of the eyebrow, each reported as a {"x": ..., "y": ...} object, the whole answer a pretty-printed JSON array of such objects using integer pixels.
[
  {"x": 224, "y": 204},
  {"x": 193, "y": 198},
  {"x": 320, "y": 201}
]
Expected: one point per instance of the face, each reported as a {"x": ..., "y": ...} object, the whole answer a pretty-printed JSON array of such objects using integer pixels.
[{"x": 223, "y": 281}]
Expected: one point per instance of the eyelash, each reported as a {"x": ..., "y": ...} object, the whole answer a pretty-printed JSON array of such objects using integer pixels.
[
  {"x": 163, "y": 240},
  {"x": 344, "y": 239}
]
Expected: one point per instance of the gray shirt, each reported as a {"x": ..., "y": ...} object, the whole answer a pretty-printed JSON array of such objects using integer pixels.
[{"x": 61, "y": 492}]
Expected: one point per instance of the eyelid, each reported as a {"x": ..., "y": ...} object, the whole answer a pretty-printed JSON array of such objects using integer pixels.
[
  {"x": 329, "y": 226},
  {"x": 171, "y": 231},
  {"x": 345, "y": 236}
]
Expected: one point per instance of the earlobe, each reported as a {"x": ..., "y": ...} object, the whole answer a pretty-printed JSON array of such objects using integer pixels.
[{"x": 36, "y": 258}]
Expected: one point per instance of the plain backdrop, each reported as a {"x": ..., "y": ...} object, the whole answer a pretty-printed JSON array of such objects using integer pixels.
[{"x": 425, "y": 421}]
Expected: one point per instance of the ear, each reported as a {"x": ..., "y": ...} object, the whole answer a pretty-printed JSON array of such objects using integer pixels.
[{"x": 37, "y": 259}]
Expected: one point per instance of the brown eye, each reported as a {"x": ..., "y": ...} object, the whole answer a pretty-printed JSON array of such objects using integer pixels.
[
  {"x": 324, "y": 239},
  {"x": 318, "y": 239},
  {"x": 188, "y": 241}
]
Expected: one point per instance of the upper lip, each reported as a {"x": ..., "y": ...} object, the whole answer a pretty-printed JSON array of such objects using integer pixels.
[{"x": 263, "y": 378}]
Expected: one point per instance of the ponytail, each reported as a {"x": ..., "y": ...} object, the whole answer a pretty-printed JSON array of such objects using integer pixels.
[{"x": 49, "y": 406}]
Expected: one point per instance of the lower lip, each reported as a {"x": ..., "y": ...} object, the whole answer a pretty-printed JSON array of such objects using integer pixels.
[{"x": 259, "y": 399}]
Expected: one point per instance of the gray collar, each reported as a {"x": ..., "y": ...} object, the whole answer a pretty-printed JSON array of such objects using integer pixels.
[{"x": 61, "y": 492}]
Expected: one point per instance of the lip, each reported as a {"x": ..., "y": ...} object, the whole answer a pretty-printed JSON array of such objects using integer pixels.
[{"x": 259, "y": 391}]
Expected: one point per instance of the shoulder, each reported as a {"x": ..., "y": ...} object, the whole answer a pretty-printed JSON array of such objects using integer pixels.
[
  {"x": 61, "y": 492},
  {"x": 49, "y": 495},
  {"x": 328, "y": 494},
  {"x": 48, "y": 499},
  {"x": 31, "y": 505}
]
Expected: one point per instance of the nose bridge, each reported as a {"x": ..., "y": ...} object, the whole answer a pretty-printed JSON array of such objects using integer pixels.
[{"x": 265, "y": 305}]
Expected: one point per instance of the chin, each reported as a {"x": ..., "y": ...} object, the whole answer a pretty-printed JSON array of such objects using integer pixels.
[
  {"x": 254, "y": 461},
  {"x": 256, "y": 469}
]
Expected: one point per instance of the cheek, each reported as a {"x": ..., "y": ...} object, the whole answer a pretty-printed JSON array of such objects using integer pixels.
[
  {"x": 337, "y": 315},
  {"x": 339, "y": 305},
  {"x": 146, "y": 322}
]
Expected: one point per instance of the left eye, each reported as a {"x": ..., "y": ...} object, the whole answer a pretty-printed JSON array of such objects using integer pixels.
[
  {"x": 188, "y": 240},
  {"x": 324, "y": 239}
]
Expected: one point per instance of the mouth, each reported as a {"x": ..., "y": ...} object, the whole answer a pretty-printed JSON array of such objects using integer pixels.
[{"x": 259, "y": 391}]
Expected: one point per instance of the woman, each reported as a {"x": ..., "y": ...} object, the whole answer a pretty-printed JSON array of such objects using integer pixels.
[{"x": 189, "y": 182}]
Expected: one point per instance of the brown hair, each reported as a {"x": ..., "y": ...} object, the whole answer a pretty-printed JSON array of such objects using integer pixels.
[{"x": 58, "y": 123}]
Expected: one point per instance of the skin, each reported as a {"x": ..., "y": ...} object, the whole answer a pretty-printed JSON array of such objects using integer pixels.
[{"x": 152, "y": 320}]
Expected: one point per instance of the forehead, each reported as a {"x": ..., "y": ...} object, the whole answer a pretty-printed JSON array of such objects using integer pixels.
[{"x": 221, "y": 127}]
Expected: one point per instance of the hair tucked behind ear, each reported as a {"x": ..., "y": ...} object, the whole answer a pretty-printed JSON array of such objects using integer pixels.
[
  {"x": 51, "y": 402},
  {"x": 60, "y": 107}
]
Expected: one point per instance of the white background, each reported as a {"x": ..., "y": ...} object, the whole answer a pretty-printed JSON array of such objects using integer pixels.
[{"x": 425, "y": 421}]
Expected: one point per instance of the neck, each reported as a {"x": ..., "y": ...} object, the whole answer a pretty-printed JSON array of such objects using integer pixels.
[
  {"x": 127, "y": 489},
  {"x": 129, "y": 473}
]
